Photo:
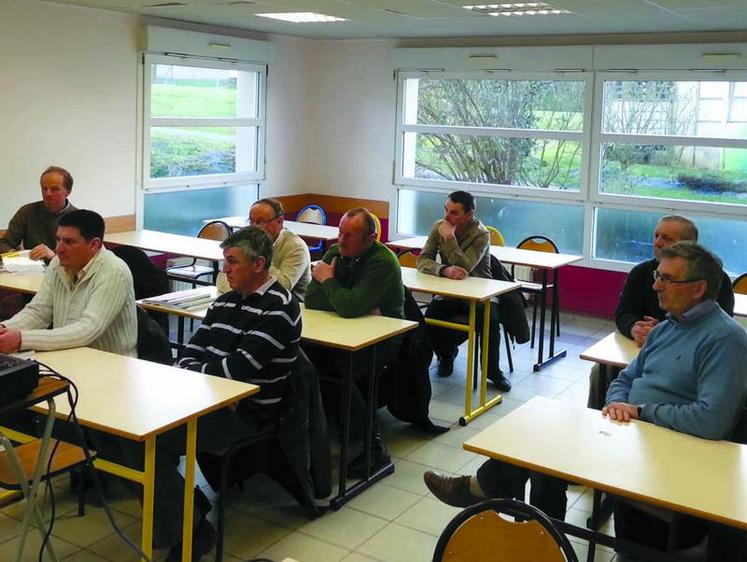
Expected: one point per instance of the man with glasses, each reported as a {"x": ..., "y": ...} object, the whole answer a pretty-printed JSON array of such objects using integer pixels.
[
  {"x": 638, "y": 310},
  {"x": 690, "y": 376},
  {"x": 291, "y": 262}
]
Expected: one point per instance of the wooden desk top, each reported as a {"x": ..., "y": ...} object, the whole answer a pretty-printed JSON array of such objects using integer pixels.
[
  {"x": 471, "y": 288},
  {"x": 506, "y": 254},
  {"x": 319, "y": 326},
  {"x": 740, "y": 305},
  {"x": 190, "y": 246},
  {"x": 21, "y": 282},
  {"x": 303, "y": 229},
  {"x": 134, "y": 398},
  {"x": 615, "y": 349},
  {"x": 638, "y": 460}
]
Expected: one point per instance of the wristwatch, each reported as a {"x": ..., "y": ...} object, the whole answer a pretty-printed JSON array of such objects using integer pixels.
[{"x": 640, "y": 410}]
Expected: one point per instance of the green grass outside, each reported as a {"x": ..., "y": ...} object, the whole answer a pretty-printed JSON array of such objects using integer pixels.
[{"x": 168, "y": 100}]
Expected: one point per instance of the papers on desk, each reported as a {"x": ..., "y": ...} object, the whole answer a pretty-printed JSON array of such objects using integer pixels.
[
  {"x": 20, "y": 262},
  {"x": 191, "y": 299}
]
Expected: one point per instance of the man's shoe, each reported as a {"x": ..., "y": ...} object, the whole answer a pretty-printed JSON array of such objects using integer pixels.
[
  {"x": 500, "y": 381},
  {"x": 379, "y": 457},
  {"x": 203, "y": 541},
  {"x": 452, "y": 490},
  {"x": 445, "y": 366}
]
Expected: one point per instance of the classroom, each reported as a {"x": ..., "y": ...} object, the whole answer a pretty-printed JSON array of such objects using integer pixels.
[{"x": 584, "y": 122}]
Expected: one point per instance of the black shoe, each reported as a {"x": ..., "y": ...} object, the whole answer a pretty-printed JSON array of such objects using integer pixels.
[
  {"x": 203, "y": 541},
  {"x": 445, "y": 366},
  {"x": 500, "y": 381},
  {"x": 379, "y": 457}
]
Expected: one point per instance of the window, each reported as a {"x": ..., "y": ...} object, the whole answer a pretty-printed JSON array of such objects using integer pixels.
[
  {"x": 204, "y": 129},
  {"x": 589, "y": 158}
]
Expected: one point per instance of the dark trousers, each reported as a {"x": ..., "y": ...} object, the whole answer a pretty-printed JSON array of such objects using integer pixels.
[
  {"x": 334, "y": 364},
  {"x": 502, "y": 480},
  {"x": 725, "y": 544},
  {"x": 445, "y": 341},
  {"x": 215, "y": 432}
]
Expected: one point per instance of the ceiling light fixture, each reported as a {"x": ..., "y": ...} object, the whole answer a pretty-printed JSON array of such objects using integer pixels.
[
  {"x": 301, "y": 17},
  {"x": 517, "y": 9}
]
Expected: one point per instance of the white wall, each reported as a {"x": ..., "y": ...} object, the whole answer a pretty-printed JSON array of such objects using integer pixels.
[{"x": 67, "y": 97}]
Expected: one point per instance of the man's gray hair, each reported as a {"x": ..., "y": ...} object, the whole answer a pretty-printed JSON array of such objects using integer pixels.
[
  {"x": 701, "y": 265},
  {"x": 689, "y": 230},
  {"x": 253, "y": 242}
]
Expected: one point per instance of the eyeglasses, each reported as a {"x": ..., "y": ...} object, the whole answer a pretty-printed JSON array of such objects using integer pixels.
[
  {"x": 666, "y": 280},
  {"x": 249, "y": 221}
]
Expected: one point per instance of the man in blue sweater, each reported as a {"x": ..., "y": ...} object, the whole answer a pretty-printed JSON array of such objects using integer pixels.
[{"x": 690, "y": 376}]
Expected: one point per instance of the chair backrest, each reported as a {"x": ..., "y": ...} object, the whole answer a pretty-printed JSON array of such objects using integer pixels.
[
  {"x": 408, "y": 259},
  {"x": 496, "y": 238},
  {"x": 215, "y": 230},
  {"x": 740, "y": 284},
  {"x": 152, "y": 342},
  {"x": 480, "y": 533},
  {"x": 313, "y": 214},
  {"x": 538, "y": 243},
  {"x": 378, "y": 227}
]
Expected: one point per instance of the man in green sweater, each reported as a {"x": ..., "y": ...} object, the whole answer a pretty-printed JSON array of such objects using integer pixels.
[
  {"x": 34, "y": 225},
  {"x": 358, "y": 276}
]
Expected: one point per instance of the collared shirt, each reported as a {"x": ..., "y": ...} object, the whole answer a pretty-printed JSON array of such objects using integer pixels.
[
  {"x": 698, "y": 311},
  {"x": 76, "y": 277}
]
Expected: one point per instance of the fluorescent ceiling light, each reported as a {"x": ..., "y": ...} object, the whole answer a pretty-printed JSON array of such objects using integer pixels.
[
  {"x": 301, "y": 17},
  {"x": 517, "y": 9}
]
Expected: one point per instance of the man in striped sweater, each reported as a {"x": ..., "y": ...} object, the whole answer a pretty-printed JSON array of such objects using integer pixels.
[{"x": 251, "y": 333}]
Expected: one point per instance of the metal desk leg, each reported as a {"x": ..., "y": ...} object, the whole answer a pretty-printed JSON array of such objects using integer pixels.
[
  {"x": 149, "y": 485},
  {"x": 552, "y": 356},
  {"x": 470, "y": 362},
  {"x": 189, "y": 489}
]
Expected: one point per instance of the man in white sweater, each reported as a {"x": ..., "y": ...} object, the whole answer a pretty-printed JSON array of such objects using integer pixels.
[
  {"x": 291, "y": 262},
  {"x": 87, "y": 296}
]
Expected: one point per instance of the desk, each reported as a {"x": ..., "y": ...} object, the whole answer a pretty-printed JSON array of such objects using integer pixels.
[
  {"x": 189, "y": 246},
  {"x": 740, "y": 304},
  {"x": 474, "y": 290},
  {"x": 306, "y": 230},
  {"x": 135, "y": 399},
  {"x": 330, "y": 330},
  {"x": 28, "y": 283},
  {"x": 545, "y": 261},
  {"x": 637, "y": 460},
  {"x": 614, "y": 350}
]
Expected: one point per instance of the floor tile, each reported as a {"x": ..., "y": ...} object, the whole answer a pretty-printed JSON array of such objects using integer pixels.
[
  {"x": 91, "y": 528},
  {"x": 85, "y": 556},
  {"x": 31, "y": 548},
  {"x": 246, "y": 536},
  {"x": 305, "y": 549},
  {"x": 408, "y": 476},
  {"x": 396, "y": 543},
  {"x": 444, "y": 457},
  {"x": 384, "y": 501},
  {"x": 429, "y": 516},
  {"x": 358, "y": 557},
  {"x": 347, "y": 527}
]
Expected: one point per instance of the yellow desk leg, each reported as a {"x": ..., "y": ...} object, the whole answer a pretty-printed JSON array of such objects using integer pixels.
[
  {"x": 149, "y": 486},
  {"x": 470, "y": 363},
  {"x": 189, "y": 489},
  {"x": 484, "y": 351}
]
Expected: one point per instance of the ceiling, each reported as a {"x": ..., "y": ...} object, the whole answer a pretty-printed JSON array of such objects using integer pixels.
[{"x": 445, "y": 18}]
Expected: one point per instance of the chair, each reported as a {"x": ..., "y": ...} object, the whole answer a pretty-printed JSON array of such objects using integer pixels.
[
  {"x": 408, "y": 259},
  {"x": 740, "y": 284},
  {"x": 480, "y": 533},
  {"x": 378, "y": 227},
  {"x": 314, "y": 214},
  {"x": 496, "y": 238},
  {"x": 539, "y": 243},
  {"x": 214, "y": 230}
]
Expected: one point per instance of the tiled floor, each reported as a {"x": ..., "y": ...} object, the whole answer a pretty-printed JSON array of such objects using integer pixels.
[{"x": 396, "y": 520}]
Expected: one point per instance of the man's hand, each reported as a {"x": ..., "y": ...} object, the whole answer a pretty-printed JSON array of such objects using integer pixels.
[
  {"x": 446, "y": 230},
  {"x": 640, "y": 329},
  {"x": 41, "y": 252},
  {"x": 323, "y": 271},
  {"x": 10, "y": 341},
  {"x": 454, "y": 272},
  {"x": 620, "y": 411}
]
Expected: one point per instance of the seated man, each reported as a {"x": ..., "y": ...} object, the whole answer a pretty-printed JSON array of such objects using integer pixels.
[
  {"x": 638, "y": 310},
  {"x": 86, "y": 295},
  {"x": 250, "y": 334},
  {"x": 34, "y": 225},
  {"x": 358, "y": 276},
  {"x": 690, "y": 376},
  {"x": 291, "y": 262},
  {"x": 463, "y": 244}
]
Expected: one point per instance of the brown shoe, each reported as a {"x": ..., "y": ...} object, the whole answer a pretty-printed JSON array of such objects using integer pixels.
[{"x": 453, "y": 490}]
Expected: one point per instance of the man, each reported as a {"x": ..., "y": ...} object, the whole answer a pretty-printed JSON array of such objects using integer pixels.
[
  {"x": 251, "y": 334},
  {"x": 291, "y": 262},
  {"x": 463, "y": 244},
  {"x": 86, "y": 295},
  {"x": 690, "y": 375},
  {"x": 358, "y": 276},
  {"x": 34, "y": 225},
  {"x": 638, "y": 310}
]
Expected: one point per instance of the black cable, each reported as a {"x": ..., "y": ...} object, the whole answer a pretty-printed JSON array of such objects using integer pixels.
[{"x": 73, "y": 394}]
